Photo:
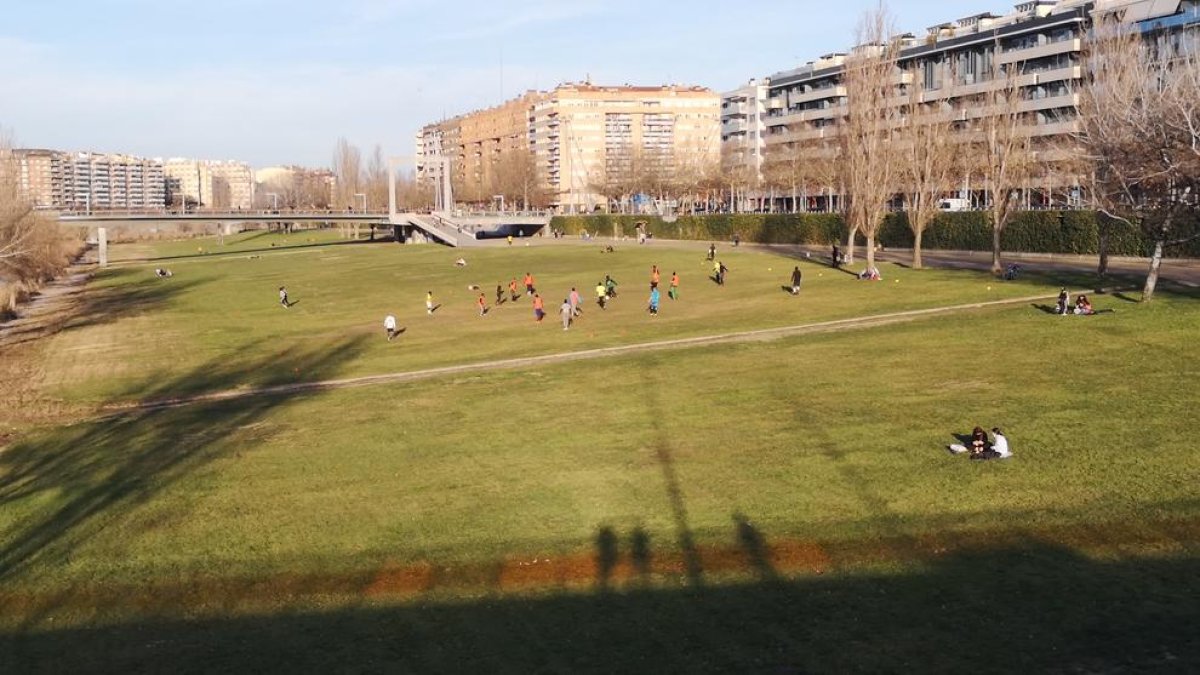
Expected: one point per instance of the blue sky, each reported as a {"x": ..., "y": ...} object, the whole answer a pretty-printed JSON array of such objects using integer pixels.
[{"x": 278, "y": 81}]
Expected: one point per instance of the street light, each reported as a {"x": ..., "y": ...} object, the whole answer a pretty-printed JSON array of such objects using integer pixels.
[{"x": 364, "y": 200}]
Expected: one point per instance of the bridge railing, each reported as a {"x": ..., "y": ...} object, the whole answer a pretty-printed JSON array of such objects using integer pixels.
[{"x": 238, "y": 213}]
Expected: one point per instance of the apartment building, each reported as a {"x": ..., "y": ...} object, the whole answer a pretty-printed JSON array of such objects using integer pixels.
[
  {"x": 578, "y": 137},
  {"x": 1039, "y": 45},
  {"x": 744, "y": 130},
  {"x": 586, "y": 138},
  {"x": 86, "y": 180},
  {"x": 209, "y": 184},
  {"x": 294, "y": 187}
]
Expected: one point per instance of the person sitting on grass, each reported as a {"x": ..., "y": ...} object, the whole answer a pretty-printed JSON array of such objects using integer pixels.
[
  {"x": 979, "y": 441},
  {"x": 389, "y": 325},
  {"x": 870, "y": 274},
  {"x": 461, "y": 262},
  {"x": 999, "y": 448},
  {"x": 1083, "y": 306},
  {"x": 162, "y": 272}
]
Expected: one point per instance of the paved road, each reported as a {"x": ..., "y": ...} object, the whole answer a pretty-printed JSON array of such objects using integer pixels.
[{"x": 1182, "y": 271}]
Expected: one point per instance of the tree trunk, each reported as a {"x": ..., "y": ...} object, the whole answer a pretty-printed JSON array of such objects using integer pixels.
[
  {"x": 870, "y": 250},
  {"x": 997, "y": 263},
  {"x": 918, "y": 233},
  {"x": 1156, "y": 261},
  {"x": 1102, "y": 270},
  {"x": 850, "y": 246}
]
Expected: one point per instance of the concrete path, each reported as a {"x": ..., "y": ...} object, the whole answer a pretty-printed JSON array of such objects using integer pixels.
[{"x": 587, "y": 354}]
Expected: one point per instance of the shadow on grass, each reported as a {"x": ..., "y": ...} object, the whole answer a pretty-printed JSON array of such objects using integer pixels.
[
  {"x": 1032, "y": 609},
  {"x": 245, "y": 251},
  {"x": 92, "y": 474}
]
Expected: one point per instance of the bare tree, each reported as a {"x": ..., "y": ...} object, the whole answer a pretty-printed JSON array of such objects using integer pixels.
[
  {"x": 1005, "y": 151},
  {"x": 33, "y": 248},
  {"x": 1141, "y": 133},
  {"x": 376, "y": 180},
  {"x": 347, "y": 167},
  {"x": 927, "y": 153},
  {"x": 868, "y": 134}
]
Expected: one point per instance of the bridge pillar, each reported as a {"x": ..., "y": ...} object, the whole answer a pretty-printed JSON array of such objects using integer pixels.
[{"x": 102, "y": 243}]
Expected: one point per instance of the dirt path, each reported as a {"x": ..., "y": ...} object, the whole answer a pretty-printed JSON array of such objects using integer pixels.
[
  {"x": 587, "y": 354},
  {"x": 22, "y": 341}
]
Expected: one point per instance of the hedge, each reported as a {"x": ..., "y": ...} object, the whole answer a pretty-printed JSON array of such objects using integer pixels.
[{"x": 1029, "y": 232}]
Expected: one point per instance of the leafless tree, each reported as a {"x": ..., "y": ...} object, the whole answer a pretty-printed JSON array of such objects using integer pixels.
[
  {"x": 927, "y": 155},
  {"x": 867, "y": 137},
  {"x": 1002, "y": 143},
  {"x": 33, "y": 248},
  {"x": 1141, "y": 133}
]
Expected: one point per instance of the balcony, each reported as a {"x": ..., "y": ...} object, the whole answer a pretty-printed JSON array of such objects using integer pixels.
[{"x": 1040, "y": 51}]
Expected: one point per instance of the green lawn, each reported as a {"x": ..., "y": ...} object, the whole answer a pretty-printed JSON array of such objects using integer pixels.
[
  {"x": 782, "y": 506},
  {"x": 138, "y": 329},
  {"x": 166, "y": 252}
]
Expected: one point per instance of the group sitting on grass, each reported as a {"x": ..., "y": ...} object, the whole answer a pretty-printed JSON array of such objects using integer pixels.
[
  {"x": 981, "y": 448},
  {"x": 1081, "y": 307}
]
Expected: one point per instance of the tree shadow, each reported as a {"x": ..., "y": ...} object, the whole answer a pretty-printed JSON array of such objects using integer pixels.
[
  {"x": 95, "y": 472},
  {"x": 99, "y": 305},
  {"x": 1039, "y": 608},
  {"x": 663, "y": 454}
]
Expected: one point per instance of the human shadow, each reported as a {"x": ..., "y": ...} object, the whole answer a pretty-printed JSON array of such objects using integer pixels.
[
  {"x": 606, "y": 556},
  {"x": 1048, "y": 309},
  {"x": 640, "y": 553},
  {"x": 754, "y": 547},
  {"x": 1052, "y": 610},
  {"x": 93, "y": 473}
]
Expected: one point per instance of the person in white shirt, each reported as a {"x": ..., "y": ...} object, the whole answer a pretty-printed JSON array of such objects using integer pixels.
[
  {"x": 389, "y": 324},
  {"x": 1000, "y": 444}
]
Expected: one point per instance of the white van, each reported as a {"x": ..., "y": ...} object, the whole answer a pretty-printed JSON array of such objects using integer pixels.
[{"x": 954, "y": 205}]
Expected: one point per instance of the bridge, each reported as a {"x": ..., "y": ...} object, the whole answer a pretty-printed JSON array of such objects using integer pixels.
[
  {"x": 443, "y": 225},
  {"x": 440, "y": 227}
]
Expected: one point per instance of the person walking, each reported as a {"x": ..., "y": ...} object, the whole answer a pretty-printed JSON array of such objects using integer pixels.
[
  {"x": 655, "y": 277},
  {"x": 482, "y": 302},
  {"x": 712, "y": 252},
  {"x": 576, "y": 309},
  {"x": 737, "y": 239},
  {"x": 499, "y": 294},
  {"x": 836, "y": 257},
  {"x": 721, "y": 271},
  {"x": 389, "y": 325},
  {"x": 566, "y": 312},
  {"x": 673, "y": 293},
  {"x": 510, "y": 240},
  {"x": 283, "y": 297},
  {"x": 539, "y": 309},
  {"x": 529, "y": 289},
  {"x": 797, "y": 277},
  {"x": 601, "y": 294},
  {"x": 429, "y": 303},
  {"x": 512, "y": 290},
  {"x": 654, "y": 299}
]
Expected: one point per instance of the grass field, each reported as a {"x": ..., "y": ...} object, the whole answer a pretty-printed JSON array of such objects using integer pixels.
[{"x": 782, "y": 506}]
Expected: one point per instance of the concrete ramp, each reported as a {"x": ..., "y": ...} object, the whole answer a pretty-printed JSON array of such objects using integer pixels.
[{"x": 435, "y": 227}]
